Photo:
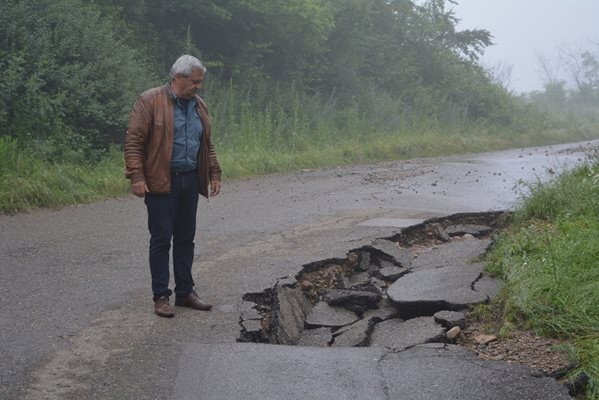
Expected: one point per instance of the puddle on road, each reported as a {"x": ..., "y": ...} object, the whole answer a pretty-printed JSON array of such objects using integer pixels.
[{"x": 363, "y": 300}]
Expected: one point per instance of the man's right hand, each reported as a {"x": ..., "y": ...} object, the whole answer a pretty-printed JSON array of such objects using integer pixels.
[{"x": 139, "y": 188}]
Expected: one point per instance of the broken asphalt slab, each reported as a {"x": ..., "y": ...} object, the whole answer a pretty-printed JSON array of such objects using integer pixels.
[
  {"x": 244, "y": 371},
  {"x": 444, "y": 278},
  {"x": 443, "y": 274},
  {"x": 403, "y": 323}
]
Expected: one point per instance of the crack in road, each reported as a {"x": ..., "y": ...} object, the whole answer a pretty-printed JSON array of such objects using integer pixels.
[{"x": 373, "y": 268}]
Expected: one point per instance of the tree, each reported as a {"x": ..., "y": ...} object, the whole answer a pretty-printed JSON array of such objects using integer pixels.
[{"x": 64, "y": 70}]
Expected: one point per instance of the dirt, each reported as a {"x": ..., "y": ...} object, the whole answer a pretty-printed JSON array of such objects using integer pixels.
[
  {"x": 522, "y": 347},
  {"x": 546, "y": 355}
]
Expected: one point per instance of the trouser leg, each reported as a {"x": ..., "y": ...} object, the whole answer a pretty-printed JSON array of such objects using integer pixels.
[
  {"x": 162, "y": 210},
  {"x": 184, "y": 234}
]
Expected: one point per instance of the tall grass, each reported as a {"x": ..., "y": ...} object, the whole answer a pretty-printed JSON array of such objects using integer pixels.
[
  {"x": 549, "y": 260},
  {"x": 270, "y": 128},
  {"x": 31, "y": 179},
  {"x": 264, "y": 129}
]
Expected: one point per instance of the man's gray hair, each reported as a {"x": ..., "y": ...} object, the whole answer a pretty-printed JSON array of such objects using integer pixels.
[{"x": 184, "y": 65}]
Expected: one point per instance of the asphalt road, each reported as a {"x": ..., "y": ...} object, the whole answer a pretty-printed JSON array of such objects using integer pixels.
[{"x": 75, "y": 305}]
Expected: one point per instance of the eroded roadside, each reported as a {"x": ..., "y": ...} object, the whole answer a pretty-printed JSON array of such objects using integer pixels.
[{"x": 400, "y": 292}]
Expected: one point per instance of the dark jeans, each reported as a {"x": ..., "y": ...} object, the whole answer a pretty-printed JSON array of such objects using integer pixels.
[{"x": 172, "y": 216}]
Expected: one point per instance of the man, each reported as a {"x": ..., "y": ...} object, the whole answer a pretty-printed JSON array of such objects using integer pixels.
[{"x": 169, "y": 158}]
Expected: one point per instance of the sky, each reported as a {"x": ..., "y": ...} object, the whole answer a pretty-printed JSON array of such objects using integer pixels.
[{"x": 525, "y": 29}]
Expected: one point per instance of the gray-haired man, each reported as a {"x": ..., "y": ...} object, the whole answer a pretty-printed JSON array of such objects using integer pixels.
[{"x": 170, "y": 159}]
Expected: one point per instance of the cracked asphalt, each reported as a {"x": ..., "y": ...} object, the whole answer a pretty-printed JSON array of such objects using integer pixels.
[{"x": 76, "y": 311}]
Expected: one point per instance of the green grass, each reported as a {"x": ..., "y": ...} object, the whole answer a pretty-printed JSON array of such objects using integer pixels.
[
  {"x": 266, "y": 130},
  {"x": 549, "y": 260},
  {"x": 30, "y": 178},
  {"x": 256, "y": 160}
]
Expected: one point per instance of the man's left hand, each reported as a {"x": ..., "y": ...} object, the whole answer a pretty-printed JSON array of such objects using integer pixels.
[{"x": 214, "y": 188}]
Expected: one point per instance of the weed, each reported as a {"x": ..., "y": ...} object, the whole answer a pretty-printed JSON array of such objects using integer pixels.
[{"x": 549, "y": 260}]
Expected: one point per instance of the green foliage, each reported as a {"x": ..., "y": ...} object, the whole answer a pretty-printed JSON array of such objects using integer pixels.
[
  {"x": 549, "y": 261},
  {"x": 64, "y": 70},
  {"x": 289, "y": 81},
  {"x": 33, "y": 178},
  {"x": 573, "y": 195},
  {"x": 68, "y": 67}
]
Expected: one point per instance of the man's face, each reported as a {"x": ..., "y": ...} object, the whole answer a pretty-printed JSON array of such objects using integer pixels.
[{"x": 187, "y": 86}]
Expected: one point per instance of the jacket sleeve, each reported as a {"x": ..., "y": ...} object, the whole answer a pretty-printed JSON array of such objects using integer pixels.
[
  {"x": 135, "y": 140},
  {"x": 215, "y": 171}
]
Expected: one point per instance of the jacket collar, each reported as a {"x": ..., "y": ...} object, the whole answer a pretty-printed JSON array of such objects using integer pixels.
[{"x": 169, "y": 91}]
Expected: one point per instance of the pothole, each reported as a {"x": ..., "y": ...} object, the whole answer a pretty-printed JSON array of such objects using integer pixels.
[{"x": 400, "y": 291}]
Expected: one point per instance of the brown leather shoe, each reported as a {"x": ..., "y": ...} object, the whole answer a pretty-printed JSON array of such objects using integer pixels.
[
  {"x": 193, "y": 301},
  {"x": 163, "y": 308}
]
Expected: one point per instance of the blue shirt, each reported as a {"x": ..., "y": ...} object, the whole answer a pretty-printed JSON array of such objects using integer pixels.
[{"x": 188, "y": 135}]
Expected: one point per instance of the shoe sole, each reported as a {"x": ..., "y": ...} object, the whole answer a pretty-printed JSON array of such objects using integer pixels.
[
  {"x": 195, "y": 308},
  {"x": 165, "y": 315}
]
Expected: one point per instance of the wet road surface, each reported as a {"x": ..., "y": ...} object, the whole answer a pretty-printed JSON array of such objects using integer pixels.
[{"x": 75, "y": 307}]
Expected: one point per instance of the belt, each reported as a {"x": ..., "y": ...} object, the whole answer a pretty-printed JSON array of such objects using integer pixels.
[{"x": 177, "y": 173}]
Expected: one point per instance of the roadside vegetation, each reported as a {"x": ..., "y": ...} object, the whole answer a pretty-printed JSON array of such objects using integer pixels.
[
  {"x": 549, "y": 261},
  {"x": 291, "y": 84}
]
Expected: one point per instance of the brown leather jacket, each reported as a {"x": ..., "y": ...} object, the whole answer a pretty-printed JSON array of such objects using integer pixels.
[{"x": 149, "y": 142}]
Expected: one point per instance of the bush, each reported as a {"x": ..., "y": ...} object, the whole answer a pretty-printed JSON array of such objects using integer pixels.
[{"x": 65, "y": 69}]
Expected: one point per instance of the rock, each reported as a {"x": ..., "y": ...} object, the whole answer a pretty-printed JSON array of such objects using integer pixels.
[
  {"x": 402, "y": 257},
  {"x": 353, "y": 335},
  {"x": 468, "y": 229},
  {"x": 364, "y": 264},
  {"x": 453, "y": 333},
  {"x": 358, "y": 310},
  {"x": 324, "y": 315},
  {"x": 289, "y": 312},
  {"x": 359, "y": 278},
  {"x": 449, "y": 319},
  {"x": 398, "y": 335},
  {"x": 249, "y": 312},
  {"x": 381, "y": 285},
  {"x": 320, "y": 337},
  {"x": 368, "y": 287},
  {"x": 391, "y": 273},
  {"x": 385, "y": 311},
  {"x": 341, "y": 297},
  {"x": 353, "y": 258},
  {"x": 306, "y": 285},
  {"x": 576, "y": 385},
  {"x": 439, "y": 232},
  {"x": 485, "y": 339}
]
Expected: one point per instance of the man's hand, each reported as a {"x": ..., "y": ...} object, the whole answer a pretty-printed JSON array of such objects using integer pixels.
[
  {"x": 214, "y": 188},
  {"x": 139, "y": 188}
]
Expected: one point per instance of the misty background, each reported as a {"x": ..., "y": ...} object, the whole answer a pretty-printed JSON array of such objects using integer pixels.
[
  {"x": 523, "y": 30},
  {"x": 291, "y": 84}
]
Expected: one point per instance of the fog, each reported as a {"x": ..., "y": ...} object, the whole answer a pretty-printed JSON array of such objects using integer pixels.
[{"x": 524, "y": 29}]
